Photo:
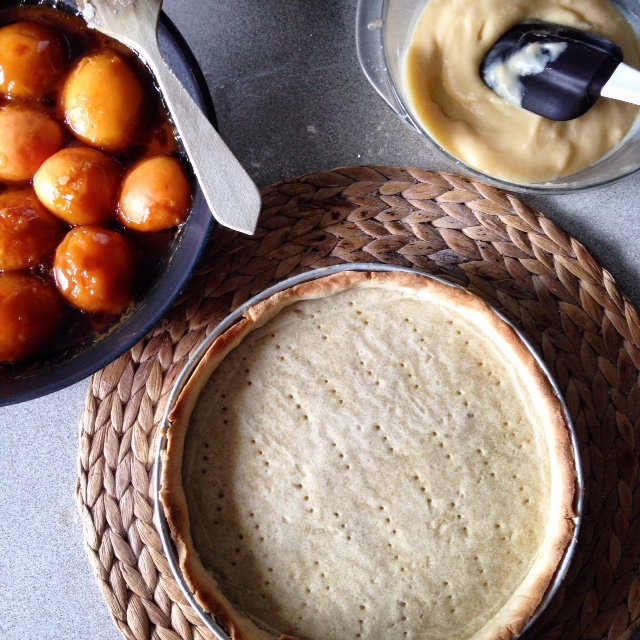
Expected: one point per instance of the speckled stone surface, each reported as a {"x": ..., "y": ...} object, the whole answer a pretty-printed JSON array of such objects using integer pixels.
[{"x": 290, "y": 99}]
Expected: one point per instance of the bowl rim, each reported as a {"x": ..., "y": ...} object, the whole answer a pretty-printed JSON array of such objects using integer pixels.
[
  {"x": 183, "y": 377},
  {"x": 46, "y": 376}
]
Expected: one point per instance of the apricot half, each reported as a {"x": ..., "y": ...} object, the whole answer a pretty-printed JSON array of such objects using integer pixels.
[
  {"x": 79, "y": 185},
  {"x": 27, "y": 138},
  {"x": 155, "y": 195},
  {"x": 30, "y": 314},
  {"x": 103, "y": 101},
  {"x": 28, "y": 232},
  {"x": 95, "y": 269},
  {"x": 33, "y": 57}
]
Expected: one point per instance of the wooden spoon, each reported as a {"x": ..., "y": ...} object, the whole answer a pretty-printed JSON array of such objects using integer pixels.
[{"x": 231, "y": 194}]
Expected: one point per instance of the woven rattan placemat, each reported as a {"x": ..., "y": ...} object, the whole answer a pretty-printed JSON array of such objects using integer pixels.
[{"x": 546, "y": 282}]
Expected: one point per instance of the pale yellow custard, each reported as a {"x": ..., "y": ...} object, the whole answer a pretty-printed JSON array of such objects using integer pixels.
[{"x": 446, "y": 95}]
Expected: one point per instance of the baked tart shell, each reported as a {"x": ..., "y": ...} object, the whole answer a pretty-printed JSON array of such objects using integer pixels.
[{"x": 560, "y": 506}]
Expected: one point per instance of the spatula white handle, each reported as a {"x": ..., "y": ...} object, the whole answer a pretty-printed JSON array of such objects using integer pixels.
[{"x": 624, "y": 84}]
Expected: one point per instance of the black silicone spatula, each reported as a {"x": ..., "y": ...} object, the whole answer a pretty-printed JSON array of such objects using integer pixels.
[{"x": 558, "y": 72}]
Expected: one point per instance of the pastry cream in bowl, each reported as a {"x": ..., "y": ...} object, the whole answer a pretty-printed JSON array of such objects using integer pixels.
[
  {"x": 450, "y": 100},
  {"x": 432, "y": 53}
]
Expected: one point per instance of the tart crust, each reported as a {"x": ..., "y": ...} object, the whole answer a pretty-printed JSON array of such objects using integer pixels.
[{"x": 548, "y": 452}]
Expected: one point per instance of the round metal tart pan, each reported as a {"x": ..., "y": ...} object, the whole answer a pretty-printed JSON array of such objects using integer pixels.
[{"x": 235, "y": 316}]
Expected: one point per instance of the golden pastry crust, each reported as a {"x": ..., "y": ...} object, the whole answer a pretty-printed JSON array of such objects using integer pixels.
[{"x": 512, "y": 615}]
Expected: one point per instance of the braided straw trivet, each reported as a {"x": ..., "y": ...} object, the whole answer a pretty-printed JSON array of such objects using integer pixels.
[{"x": 471, "y": 234}]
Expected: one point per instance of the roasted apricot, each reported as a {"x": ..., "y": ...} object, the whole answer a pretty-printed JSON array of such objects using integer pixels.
[
  {"x": 103, "y": 101},
  {"x": 30, "y": 315},
  {"x": 77, "y": 111},
  {"x": 95, "y": 269},
  {"x": 155, "y": 195},
  {"x": 33, "y": 57},
  {"x": 27, "y": 138},
  {"x": 79, "y": 185},
  {"x": 28, "y": 232}
]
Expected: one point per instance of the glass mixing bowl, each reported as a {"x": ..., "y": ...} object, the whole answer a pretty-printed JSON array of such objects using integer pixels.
[{"x": 383, "y": 33}]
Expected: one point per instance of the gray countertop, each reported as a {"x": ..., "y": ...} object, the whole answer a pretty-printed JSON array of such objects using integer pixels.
[{"x": 290, "y": 99}]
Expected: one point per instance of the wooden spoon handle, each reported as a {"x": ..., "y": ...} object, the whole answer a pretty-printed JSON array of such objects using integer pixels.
[{"x": 231, "y": 194}]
